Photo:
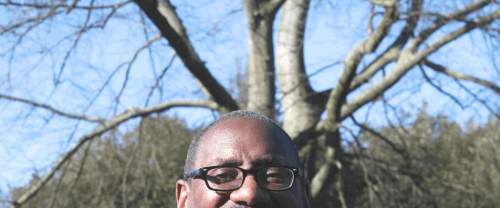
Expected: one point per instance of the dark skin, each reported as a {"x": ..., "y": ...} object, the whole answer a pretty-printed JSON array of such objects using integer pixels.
[{"x": 248, "y": 144}]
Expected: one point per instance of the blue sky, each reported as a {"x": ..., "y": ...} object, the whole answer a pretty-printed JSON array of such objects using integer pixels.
[{"x": 33, "y": 139}]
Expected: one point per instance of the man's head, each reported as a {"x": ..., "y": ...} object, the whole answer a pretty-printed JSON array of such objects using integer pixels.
[{"x": 248, "y": 141}]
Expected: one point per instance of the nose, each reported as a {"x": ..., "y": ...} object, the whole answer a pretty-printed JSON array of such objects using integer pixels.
[{"x": 250, "y": 193}]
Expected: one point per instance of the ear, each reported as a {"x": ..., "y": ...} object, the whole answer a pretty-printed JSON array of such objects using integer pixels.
[{"x": 181, "y": 193}]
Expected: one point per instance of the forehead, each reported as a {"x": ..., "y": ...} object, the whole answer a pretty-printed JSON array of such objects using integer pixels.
[{"x": 241, "y": 141}]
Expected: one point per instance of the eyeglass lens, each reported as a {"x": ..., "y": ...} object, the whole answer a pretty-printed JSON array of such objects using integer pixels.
[{"x": 272, "y": 178}]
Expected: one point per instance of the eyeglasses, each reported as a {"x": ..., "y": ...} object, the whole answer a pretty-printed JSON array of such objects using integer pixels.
[{"x": 223, "y": 178}]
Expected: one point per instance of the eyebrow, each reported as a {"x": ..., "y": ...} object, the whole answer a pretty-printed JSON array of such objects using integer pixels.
[
  {"x": 227, "y": 162},
  {"x": 271, "y": 160},
  {"x": 265, "y": 161}
]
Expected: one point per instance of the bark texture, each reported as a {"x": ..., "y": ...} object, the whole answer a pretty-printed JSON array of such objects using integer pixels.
[
  {"x": 260, "y": 71},
  {"x": 300, "y": 112}
]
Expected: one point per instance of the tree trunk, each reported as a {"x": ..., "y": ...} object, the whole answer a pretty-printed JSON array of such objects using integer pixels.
[
  {"x": 260, "y": 72},
  {"x": 300, "y": 113}
]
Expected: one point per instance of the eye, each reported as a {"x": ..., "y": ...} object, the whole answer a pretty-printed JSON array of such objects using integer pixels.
[
  {"x": 226, "y": 176},
  {"x": 222, "y": 175},
  {"x": 274, "y": 177}
]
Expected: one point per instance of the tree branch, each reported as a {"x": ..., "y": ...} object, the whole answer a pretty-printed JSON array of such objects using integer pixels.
[
  {"x": 369, "y": 27},
  {"x": 75, "y": 43},
  {"x": 439, "y": 88},
  {"x": 476, "y": 23},
  {"x": 163, "y": 15},
  {"x": 129, "y": 65},
  {"x": 53, "y": 110},
  {"x": 478, "y": 99},
  {"x": 442, "y": 20},
  {"x": 384, "y": 3},
  {"x": 338, "y": 94},
  {"x": 80, "y": 168},
  {"x": 159, "y": 78},
  {"x": 65, "y": 6},
  {"x": 274, "y": 5},
  {"x": 260, "y": 16},
  {"x": 380, "y": 136},
  {"x": 336, "y": 100},
  {"x": 299, "y": 112},
  {"x": 407, "y": 60},
  {"x": 106, "y": 126},
  {"x": 460, "y": 76},
  {"x": 392, "y": 53}
]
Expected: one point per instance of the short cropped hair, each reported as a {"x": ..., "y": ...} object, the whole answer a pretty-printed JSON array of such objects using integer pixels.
[{"x": 195, "y": 142}]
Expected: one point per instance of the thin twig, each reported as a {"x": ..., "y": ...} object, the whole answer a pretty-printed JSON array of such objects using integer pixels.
[
  {"x": 103, "y": 86},
  {"x": 53, "y": 110},
  {"x": 460, "y": 76},
  {"x": 75, "y": 43},
  {"x": 380, "y": 136},
  {"x": 439, "y": 88},
  {"x": 129, "y": 65},
  {"x": 369, "y": 27},
  {"x": 66, "y": 6},
  {"x": 480, "y": 100},
  {"x": 159, "y": 78}
]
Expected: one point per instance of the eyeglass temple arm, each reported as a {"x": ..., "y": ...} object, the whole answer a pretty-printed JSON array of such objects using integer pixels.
[{"x": 194, "y": 173}]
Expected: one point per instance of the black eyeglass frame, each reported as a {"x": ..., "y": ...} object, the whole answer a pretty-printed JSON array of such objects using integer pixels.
[{"x": 202, "y": 172}]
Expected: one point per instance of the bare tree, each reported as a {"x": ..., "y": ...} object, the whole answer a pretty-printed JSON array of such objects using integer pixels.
[{"x": 402, "y": 38}]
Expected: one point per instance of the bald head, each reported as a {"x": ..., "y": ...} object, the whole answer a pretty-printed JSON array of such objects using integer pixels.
[
  {"x": 247, "y": 142},
  {"x": 237, "y": 118}
]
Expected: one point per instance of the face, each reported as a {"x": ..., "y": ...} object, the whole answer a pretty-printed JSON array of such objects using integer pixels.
[{"x": 248, "y": 144}]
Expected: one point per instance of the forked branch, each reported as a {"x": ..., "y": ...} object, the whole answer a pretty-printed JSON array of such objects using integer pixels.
[
  {"x": 338, "y": 94},
  {"x": 408, "y": 59},
  {"x": 103, "y": 128}
]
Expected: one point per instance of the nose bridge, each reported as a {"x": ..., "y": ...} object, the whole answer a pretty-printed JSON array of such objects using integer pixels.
[
  {"x": 250, "y": 192},
  {"x": 251, "y": 174},
  {"x": 251, "y": 178}
]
